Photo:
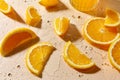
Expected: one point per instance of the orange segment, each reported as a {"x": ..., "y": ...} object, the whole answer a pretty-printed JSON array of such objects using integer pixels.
[
  {"x": 114, "y": 54},
  {"x": 61, "y": 25},
  {"x": 84, "y": 5},
  {"x": 76, "y": 58},
  {"x": 49, "y": 3},
  {"x": 95, "y": 31},
  {"x": 32, "y": 16},
  {"x": 37, "y": 57},
  {"x": 14, "y": 39},
  {"x": 4, "y": 7},
  {"x": 112, "y": 18}
]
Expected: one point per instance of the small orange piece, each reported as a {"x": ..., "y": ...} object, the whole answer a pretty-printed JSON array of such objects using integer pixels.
[
  {"x": 4, "y": 7},
  {"x": 61, "y": 25},
  {"x": 114, "y": 54},
  {"x": 37, "y": 57},
  {"x": 96, "y": 33},
  {"x": 49, "y": 3},
  {"x": 76, "y": 58},
  {"x": 14, "y": 39},
  {"x": 112, "y": 18},
  {"x": 32, "y": 16}
]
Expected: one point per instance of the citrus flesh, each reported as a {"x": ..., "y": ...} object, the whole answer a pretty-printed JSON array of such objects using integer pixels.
[
  {"x": 4, "y": 7},
  {"x": 95, "y": 31},
  {"x": 37, "y": 57},
  {"x": 76, "y": 58},
  {"x": 112, "y": 18},
  {"x": 84, "y": 5},
  {"x": 61, "y": 25},
  {"x": 49, "y": 3},
  {"x": 32, "y": 16},
  {"x": 15, "y": 38},
  {"x": 114, "y": 54}
]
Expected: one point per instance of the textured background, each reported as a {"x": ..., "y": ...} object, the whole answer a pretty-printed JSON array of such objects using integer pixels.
[{"x": 13, "y": 67}]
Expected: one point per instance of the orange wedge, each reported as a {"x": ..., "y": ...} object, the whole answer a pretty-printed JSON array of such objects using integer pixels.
[
  {"x": 4, "y": 7},
  {"x": 61, "y": 25},
  {"x": 84, "y": 5},
  {"x": 49, "y": 3},
  {"x": 95, "y": 32},
  {"x": 114, "y": 54},
  {"x": 37, "y": 57},
  {"x": 76, "y": 58},
  {"x": 32, "y": 16},
  {"x": 112, "y": 18},
  {"x": 14, "y": 39}
]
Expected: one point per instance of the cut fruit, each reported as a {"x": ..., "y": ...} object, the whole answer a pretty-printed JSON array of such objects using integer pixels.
[
  {"x": 32, "y": 16},
  {"x": 96, "y": 33},
  {"x": 114, "y": 54},
  {"x": 84, "y": 5},
  {"x": 75, "y": 58},
  {"x": 14, "y": 39},
  {"x": 37, "y": 57},
  {"x": 112, "y": 18},
  {"x": 4, "y": 7},
  {"x": 49, "y": 3},
  {"x": 61, "y": 25}
]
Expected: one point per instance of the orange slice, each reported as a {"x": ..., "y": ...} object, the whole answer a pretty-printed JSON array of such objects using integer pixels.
[
  {"x": 37, "y": 57},
  {"x": 14, "y": 39},
  {"x": 84, "y": 5},
  {"x": 32, "y": 16},
  {"x": 112, "y": 18},
  {"x": 96, "y": 33},
  {"x": 76, "y": 58},
  {"x": 4, "y": 7},
  {"x": 49, "y": 3},
  {"x": 114, "y": 54},
  {"x": 61, "y": 25}
]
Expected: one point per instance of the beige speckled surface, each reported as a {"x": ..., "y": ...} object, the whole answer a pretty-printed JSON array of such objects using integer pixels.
[{"x": 13, "y": 67}]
